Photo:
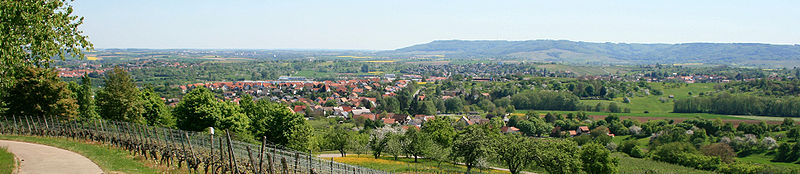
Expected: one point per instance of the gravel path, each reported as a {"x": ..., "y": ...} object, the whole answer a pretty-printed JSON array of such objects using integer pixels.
[{"x": 37, "y": 158}]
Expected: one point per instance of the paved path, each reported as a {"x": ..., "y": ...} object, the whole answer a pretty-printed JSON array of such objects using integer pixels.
[{"x": 37, "y": 158}]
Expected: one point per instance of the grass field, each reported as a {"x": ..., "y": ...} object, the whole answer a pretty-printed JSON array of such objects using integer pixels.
[
  {"x": 110, "y": 159},
  {"x": 637, "y": 165},
  {"x": 407, "y": 165},
  {"x": 762, "y": 158},
  {"x": 652, "y": 103},
  {"x": 7, "y": 161}
]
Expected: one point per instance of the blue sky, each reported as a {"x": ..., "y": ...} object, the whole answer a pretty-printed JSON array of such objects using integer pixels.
[{"x": 381, "y": 25}]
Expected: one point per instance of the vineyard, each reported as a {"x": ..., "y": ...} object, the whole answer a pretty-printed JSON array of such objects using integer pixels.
[{"x": 196, "y": 151}]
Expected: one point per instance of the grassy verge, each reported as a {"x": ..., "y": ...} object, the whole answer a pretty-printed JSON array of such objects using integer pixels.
[
  {"x": 637, "y": 165},
  {"x": 7, "y": 161},
  {"x": 762, "y": 158},
  {"x": 407, "y": 165},
  {"x": 110, "y": 159}
]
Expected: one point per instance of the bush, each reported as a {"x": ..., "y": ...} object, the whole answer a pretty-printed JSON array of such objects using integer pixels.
[
  {"x": 698, "y": 161},
  {"x": 721, "y": 150},
  {"x": 637, "y": 152}
]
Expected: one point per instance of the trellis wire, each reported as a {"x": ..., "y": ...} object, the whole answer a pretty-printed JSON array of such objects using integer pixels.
[{"x": 194, "y": 150}]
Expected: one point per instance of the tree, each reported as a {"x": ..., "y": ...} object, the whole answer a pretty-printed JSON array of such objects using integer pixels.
[
  {"x": 199, "y": 109},
  {"x": 39, "y": 92},
  {"x": 85, "y": 99},
  {"x": 379, "y": 140},
  {"x": 794, "y": 133},
  {"x": 614, "y": 108},
  {"x": 454, "y": 105},
  {"x": 438, "y": 153},
  {"x": 119, "y": 99},
  {"x": 471, "y": 145},
  {"x": 556, "y": 155},
  {"x": 395, "y": 144},
  {"x": 721, "y": 150},
  {"x": 337, "y": 139},
  {"x": 440, "y": 131},
  {"x": 155, "y": 112},
  {"x": 359, "y": 143},
  {"x": 279, "y": 125},
  {"x": 418, "y": 143},
  {"x": 597, "y": 159},
  {"x": 34, "y": 31},
  {"x": 534, "y": 127},
  {"x": 512, "y": 150}
]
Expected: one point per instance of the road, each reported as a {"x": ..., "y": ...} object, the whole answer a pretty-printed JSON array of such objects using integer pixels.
[{"x": 37, "y": 158}]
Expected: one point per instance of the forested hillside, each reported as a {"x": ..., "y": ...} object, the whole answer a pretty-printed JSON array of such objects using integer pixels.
[{"x": 588, "y": 52}]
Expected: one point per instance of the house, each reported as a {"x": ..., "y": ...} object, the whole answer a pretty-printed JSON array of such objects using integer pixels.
[
  {"x": 572, "y": 133},
  {"x": 399, "y": 118},
  {"x": 464, "y": 120},
  {"x": 388, "y": 121},
  {"x": 366, "y": 116},
  {"x": 506, "y": 129},
  {"x": 582, "y": 130},
  {"x": 299, "y": 108},
  {"x": 360, "y": 111}
]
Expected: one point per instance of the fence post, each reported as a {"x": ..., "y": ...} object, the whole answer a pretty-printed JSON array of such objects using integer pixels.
[
  {"x": 296, "y": 162},
  {"x": 261, "y": 154},
  {"x": 252, "y": 161},
  {"x": 212, "y": 163},
  {"x": 233, "y": 156},
  {"x": 29, "y": 125}
]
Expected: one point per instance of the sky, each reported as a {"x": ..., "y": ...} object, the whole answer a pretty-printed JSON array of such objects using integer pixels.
[{"x": 390, "y": 24}]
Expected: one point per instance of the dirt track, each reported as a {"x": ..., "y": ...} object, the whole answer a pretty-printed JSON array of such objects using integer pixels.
[{"x": 37, "y": 158}]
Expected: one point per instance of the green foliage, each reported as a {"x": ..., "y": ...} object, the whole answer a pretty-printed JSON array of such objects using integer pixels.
[
  {"x": 440, "y": 130},
  {"x": 378, "y": 140},
  {"x": 39, "y": 92},
  {"x": 338, "y": 139},
  {"x": 513, "y": 151},
  {"x": 721, "y": 150},
  {"x": 545, "y": 100},
  {"x": 278, "y": 124},
  {"x": 726, "y": 103},
  {"x": 119, "y": 99},
  {"x": 85, "y": 99},
  {"x": 556, "y": 155},
  {"x": 417, "y": 143},
  {"x": 395, "y": 144},
  {"x": 454, "y": 105},
  {"x": 471, "y": 145},
  {"x": 597, "y": 159},
  {"x": 155, "y": 112},
  {"x": 631, "y": 148},
  {"x": 33, "y": 31},
  {"x": 534, "y": 126},
  {"x": 668, "y": 135},
  {"x": 684, "y": 154},
  {"x": 199, "y": 109}
]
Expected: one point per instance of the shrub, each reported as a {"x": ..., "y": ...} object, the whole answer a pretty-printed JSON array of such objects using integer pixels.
[
  {"x": 721, "y": 150},
  {"x": 637, "y": 152}
]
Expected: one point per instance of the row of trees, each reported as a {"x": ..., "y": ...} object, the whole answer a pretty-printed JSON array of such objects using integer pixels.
[
  {"x": 726, "y": 103},
  {"x": 476, "y": 146}
]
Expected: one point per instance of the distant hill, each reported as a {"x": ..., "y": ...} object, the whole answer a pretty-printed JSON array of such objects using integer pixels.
[{"x": 744, "y": 54}]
